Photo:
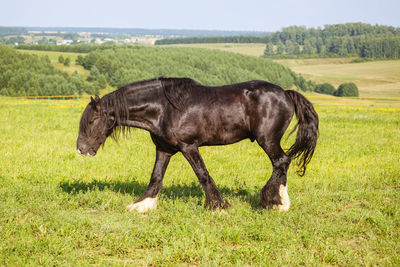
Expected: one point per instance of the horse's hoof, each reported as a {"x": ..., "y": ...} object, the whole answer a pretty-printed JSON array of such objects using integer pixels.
[
  {"x": 285, "y": 200},
  {"x": 143, "y": 206},
  {"x": 275, "y": 198}
]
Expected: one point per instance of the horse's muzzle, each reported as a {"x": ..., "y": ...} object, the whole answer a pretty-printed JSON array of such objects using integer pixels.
[{"x": 90, "y": 154}]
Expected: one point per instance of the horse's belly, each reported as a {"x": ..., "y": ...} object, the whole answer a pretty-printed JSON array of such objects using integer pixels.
[
  {"x": 225, "y": 138},
  {"x": 214, "y": 125}
]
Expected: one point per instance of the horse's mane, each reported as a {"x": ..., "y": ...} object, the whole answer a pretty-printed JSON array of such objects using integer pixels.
[
  {"x": 114, "y": 104},
  {"x": 177, "y": 90}
]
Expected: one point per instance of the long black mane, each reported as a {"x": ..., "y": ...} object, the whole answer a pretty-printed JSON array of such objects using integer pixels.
[{"x": 115, "y": 103}]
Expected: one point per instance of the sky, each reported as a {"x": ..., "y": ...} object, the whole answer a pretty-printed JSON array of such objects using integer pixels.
[{"x": 247, "y": 15}]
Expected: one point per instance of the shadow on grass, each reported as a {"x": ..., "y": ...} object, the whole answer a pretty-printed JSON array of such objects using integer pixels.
[{"x": 172, "y": 191}]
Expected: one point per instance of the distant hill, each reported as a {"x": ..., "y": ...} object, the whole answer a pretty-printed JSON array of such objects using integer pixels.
[
  {"x": 12, "y": 31},
  {"x": 122, "y": 65},
  {"x": 153, "y": 32}
]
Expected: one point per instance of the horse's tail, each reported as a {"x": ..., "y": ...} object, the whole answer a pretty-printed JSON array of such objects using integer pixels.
[{"x": 307, "y": 134}]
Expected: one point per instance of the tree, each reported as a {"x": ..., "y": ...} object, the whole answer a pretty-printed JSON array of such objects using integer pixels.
[
  {"x": 79, "y": 60},
  {"x": 280, "y": 48},
  {"x": 61, "y": 59},
  {"x": 325, "y": 88},
  {"x": 67, "y": 61},
  {"x": 101, "y": 81},
  {"x": 347, "y": 89},
  {"x": 269, "y": 50},
  {"x": 94, "y": 74},
  {"x": 309, "y": 47}
]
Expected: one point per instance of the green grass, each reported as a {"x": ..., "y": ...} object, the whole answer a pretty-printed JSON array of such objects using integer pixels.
[
  {"x": 375, "y": 78},
  {"x": 58, "y": 208}
]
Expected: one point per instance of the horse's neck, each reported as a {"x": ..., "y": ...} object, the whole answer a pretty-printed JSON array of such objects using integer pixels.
[{"x": 144, "y": 110}]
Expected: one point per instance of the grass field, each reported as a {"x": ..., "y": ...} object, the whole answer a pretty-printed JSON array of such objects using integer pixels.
[
  {"x": 256, "y": 50},
  {"x": 58, "y": 208},
  {"x": 376, "y": 78},
  {"x": 54, "y": 59}
]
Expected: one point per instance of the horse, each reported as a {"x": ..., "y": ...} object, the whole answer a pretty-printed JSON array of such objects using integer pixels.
[{"x": 181, "y": 115}]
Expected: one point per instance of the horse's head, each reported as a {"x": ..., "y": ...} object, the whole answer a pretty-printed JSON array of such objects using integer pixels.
[{"x": 94, "y": 128}]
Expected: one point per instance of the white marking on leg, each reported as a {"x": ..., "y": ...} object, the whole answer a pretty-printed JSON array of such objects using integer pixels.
[
  {"x": 284, "y": 198},
  {"x": 143, "y": 206}
]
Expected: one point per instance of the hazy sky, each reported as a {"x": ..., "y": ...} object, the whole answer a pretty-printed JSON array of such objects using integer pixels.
[{"x": 201, "y": 14}]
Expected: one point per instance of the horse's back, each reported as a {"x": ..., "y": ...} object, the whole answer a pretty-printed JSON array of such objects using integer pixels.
[{"x": 222, "y": 115}]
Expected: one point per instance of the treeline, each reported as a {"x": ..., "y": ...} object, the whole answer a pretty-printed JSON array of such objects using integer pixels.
[
  {"x": 213, "y": 39},
  {"x": 30, "y": 75},
  {"x": 351, "y": 39},
  {"x": 212, "y": 67},
  {"x": 76, "y": 48},
  {"x": 12, "y": 31},
  {"x": 143, "y": 32}
]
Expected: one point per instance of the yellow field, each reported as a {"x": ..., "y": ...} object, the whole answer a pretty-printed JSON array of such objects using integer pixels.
[
  {"x": 256, "y": 50},
  {"x": 377, "y": 78}
]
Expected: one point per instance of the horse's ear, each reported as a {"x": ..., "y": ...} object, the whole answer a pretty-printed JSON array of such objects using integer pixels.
[{"x": 95, "y": 102}]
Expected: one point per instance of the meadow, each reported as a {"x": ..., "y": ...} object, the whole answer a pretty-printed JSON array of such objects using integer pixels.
[
  {"x": 374, "y": 78},
  {"x": 58, "y": 208}
]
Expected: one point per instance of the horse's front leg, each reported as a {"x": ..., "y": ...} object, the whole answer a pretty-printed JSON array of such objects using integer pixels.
[
  {"x": 214, "y": 198},
  {"x": 148, "y": 200}
]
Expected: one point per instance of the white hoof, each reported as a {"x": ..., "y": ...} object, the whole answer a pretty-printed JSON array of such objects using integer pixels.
[
  {"x": 284, "y": 199},
  {"x": 143, "y": 206}
]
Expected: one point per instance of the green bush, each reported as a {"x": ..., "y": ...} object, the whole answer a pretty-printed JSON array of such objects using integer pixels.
[
  {"x": 347, "y": 89},
  {"x": 325, "y": 88},
  {"x": 61, "y": 59},
  {"x": 67, "y": 61}
]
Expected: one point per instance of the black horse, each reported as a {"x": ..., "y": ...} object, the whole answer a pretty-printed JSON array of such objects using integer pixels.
[{"x": 181, "y": 115}]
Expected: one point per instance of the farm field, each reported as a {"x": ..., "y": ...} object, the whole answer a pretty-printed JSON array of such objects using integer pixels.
[
  {"x": 375, "y": 78},
  {"x": 256, "y": 50},
  {"x": 54, "y": 60},
  {"x": 58, "y": 208}
]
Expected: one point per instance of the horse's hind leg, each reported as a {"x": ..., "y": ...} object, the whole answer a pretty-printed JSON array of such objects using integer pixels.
[
  {"x": 148, "y": 200},
  {"x": 214, "y": 198},
  {"x": 274, "y": 193}
]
